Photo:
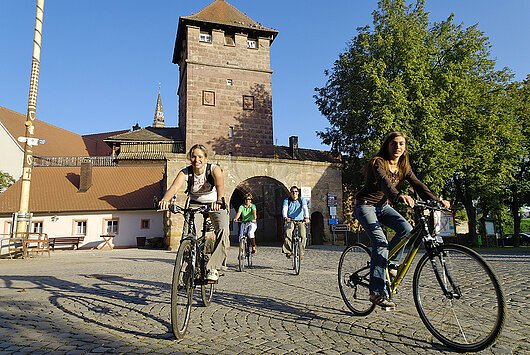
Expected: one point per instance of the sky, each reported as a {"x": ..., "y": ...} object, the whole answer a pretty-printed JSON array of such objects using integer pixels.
[{"x": 102, "y": 60}]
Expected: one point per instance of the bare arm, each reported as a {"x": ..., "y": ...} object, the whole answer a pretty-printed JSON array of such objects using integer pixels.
[{"x": 172, "y": 191}]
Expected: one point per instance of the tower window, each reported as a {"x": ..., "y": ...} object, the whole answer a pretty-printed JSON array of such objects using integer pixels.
[
  {"x": 252, "y": 43},
  {"x": 229, "y": 82},
  {"x": 248, "y": 102},
  {"x": 205, "y": 37},
  {"x": 230, "y": 39}
]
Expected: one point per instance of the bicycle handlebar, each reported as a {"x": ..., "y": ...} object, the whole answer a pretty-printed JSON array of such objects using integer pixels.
[
  {"x": 173, "y": 208},
  {"x": 431, "y": 205}
]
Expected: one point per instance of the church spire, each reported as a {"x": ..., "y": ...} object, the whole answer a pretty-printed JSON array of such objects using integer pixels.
[{"x": 159, "y": 112}]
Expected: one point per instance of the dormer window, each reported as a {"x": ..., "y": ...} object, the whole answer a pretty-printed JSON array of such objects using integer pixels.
[
  {"x": 252, "y": 43},
  {"x": 205, "y": 37}
]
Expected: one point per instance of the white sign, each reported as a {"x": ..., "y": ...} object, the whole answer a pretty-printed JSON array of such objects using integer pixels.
[
  {"x": 305, "y": 192},
  {"x": 444, "y": 224},
  {"x": 332, "y": 211}
]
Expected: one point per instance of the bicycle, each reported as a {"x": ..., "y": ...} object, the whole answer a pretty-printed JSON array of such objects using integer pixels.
[
  {"x": 190, "y": 270},
  {"x": 296, "y": 248},
  {"x": 456, "y": 293},
  {"x": 245, "y": 247}
]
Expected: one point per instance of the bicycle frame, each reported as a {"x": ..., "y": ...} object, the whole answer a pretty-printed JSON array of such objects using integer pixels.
[{"x": 419, "y": 234}]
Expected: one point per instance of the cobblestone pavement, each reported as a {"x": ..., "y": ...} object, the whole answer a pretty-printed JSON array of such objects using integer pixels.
[{"x": 118, "y": 302}]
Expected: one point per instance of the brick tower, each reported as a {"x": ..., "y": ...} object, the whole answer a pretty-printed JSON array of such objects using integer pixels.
[{"x": 225, "y": 90}]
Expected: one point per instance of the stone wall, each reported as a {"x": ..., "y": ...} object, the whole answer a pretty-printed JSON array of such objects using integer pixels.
[{"x": 321, "y": 177}]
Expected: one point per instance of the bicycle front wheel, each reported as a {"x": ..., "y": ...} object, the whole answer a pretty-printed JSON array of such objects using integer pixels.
[
  {"x": 296, "y": 256},
  {"x": 248, "y": 252},
  {"x": 470, "y": 315},
  {"x": 241, "y": 256},
  {"x": 182, "y": 290},
  {"x": 354, "y": 279}
]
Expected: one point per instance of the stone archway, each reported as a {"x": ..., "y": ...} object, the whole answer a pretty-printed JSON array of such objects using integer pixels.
[{"x": 268, "y": 194}]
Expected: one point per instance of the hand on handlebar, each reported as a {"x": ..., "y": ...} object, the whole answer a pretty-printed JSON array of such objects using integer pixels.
[
  {"x": 163, "y": 204},
  {"x": 409, "y": 201}
]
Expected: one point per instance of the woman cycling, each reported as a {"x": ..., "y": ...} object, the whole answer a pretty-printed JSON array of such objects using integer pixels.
[
  {"x": 248, "y": 214},
  {"x": 384, "y": 174},
  {"x": 205, "y": 185}
]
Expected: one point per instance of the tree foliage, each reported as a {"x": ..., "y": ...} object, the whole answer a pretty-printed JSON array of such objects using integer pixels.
[
  {"x": 6, "y": 180},
  {"x": 437, "y": 84}
]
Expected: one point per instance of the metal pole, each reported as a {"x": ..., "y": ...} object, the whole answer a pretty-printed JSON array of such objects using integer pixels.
[{"x": 30, "y": 117}]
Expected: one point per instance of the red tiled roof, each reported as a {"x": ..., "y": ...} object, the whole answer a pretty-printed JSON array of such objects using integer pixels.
[
  {"x": 101, "y": 148},
  {"x": 222, "y": 12},
  {"x": 55, "y": 189},
  {"x": 59, "y": 142}
]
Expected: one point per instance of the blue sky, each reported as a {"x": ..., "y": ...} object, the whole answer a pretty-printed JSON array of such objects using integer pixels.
[{"x": 102, "y": 60}]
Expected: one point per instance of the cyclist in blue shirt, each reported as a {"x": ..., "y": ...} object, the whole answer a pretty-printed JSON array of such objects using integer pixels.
[{"x": 294, "y": 210}]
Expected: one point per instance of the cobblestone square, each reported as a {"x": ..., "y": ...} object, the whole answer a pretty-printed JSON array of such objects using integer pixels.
[{"x": 118, "y": 302}]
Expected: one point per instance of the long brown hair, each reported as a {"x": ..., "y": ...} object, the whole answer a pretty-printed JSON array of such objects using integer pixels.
[{"x": 382, "y": 155}]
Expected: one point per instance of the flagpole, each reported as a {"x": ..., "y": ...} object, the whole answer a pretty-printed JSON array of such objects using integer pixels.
[{"x": 28, "y": 139}]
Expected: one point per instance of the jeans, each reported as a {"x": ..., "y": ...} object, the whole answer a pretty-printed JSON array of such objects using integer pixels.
[
  {"x": 287, "y": 247},
  {"x": 372, "y": 218}
]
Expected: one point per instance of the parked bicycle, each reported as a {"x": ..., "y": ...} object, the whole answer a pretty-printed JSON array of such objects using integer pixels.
[
  {"x": 456, "y": 293},
  {"x": 245, "y": 247},
  {"x": 190, "y": 269}
]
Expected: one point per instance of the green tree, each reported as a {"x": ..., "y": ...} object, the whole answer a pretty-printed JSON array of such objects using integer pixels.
[
  {"x": 519, "y": 189},
  {"x": 435, "y": 83},
  {"x": 6, "y": 180}
]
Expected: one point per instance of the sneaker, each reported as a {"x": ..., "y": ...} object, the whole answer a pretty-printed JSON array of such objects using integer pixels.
[
  {"x": 382, "y": 301},
  {"x": 213, "y": 275},
  {"x": 253, "y": 250},
  {"x": 288, "y": 255}
]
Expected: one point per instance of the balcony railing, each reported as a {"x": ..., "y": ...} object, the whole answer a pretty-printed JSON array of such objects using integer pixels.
[{"x": 74, "y": 161}]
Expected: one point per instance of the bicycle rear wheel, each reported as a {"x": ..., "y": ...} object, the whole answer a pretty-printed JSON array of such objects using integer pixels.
[
  {"x": 182, "y": 290},
  {"x": 354, "y": 279},
  {"x": 472, "y": 315},
  {"x": 207, "y": 294},
  {"x": 296, "y": 256}
]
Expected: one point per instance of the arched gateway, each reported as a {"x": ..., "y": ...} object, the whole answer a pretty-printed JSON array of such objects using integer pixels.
[{"x": 268, "y": 179}]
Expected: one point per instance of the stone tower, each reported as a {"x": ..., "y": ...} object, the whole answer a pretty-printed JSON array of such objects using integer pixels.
[{"x": 225, "y": 90}]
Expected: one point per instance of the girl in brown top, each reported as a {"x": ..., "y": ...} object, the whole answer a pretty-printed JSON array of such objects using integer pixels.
[{"x": 385, "y": 172}]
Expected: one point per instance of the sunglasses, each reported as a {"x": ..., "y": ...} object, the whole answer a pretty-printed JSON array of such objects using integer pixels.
[
  {"x": 294, "y": 191},
  {"x": 248, "y": 199}
]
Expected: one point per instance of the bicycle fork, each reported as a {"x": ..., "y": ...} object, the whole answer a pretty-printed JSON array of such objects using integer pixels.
[{"x": 442, "y": 273}]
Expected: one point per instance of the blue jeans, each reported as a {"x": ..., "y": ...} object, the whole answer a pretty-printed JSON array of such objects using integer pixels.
[{"x": 372, "y": 218}]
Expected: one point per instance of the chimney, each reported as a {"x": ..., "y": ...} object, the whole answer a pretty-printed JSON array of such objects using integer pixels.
[
  {"x": 293, "y": 147},
  {"x": 85, "y": 178}
]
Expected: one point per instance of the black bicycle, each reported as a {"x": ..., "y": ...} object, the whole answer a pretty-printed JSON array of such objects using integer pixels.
[
  {"x": 190, "y": 269},
  {"x": 296, "y": 247},
  {"x": 456, "y": 293},
  {"x": 245, "y": 247}
]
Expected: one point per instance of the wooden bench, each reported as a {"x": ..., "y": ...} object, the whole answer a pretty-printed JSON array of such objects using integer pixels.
[{"x": 69, "y": 241}]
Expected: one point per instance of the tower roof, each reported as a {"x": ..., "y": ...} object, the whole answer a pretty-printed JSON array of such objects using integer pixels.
[
  {"x": 158, "y": 120},
  {"x": 224, "y": 15},
  {"x": 222, "y": 12}
]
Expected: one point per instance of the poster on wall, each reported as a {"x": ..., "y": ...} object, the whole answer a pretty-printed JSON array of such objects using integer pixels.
[{"x": 444, "y": 224}]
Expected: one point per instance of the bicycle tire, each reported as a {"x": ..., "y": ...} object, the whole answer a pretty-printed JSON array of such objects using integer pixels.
[
  {"x": 182, "y": 290},
  {"x": 354, "y": 279},
  {"x": 241, "y": 256},
  {"x": 248, "y": 252},
  {"x": 296, "y": 257},
  {"x": 207, "y": 292},
  {"x": 473, "y": 318}
]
